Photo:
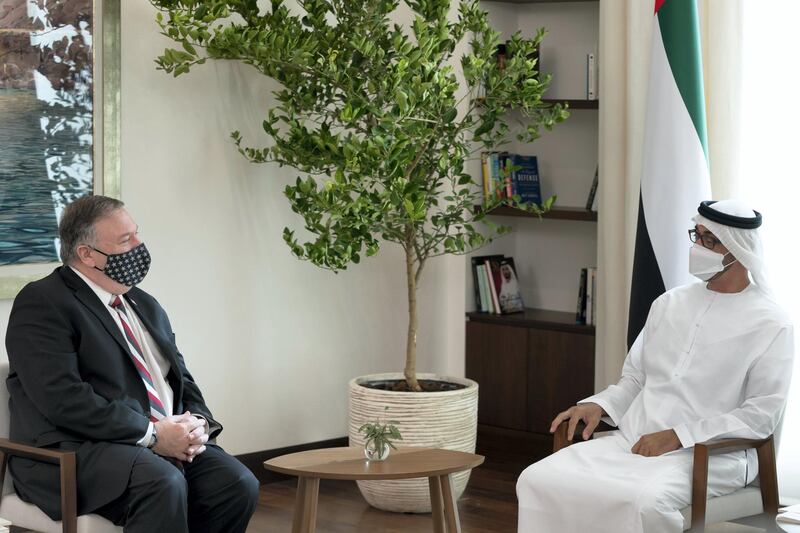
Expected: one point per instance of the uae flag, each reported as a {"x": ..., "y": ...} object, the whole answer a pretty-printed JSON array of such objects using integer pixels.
[{"x": 675, "y": 176}]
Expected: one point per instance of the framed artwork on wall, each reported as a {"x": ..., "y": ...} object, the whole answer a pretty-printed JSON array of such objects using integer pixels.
[{"x": 59, "y": 123}]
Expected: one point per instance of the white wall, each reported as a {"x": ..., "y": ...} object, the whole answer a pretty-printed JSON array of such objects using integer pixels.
[
  {"x": 550, "y": 253},
  {"x": 271, "y": 340}
]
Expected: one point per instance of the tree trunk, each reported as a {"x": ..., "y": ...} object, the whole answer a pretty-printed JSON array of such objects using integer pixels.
[{"x": 411, "y": 339}]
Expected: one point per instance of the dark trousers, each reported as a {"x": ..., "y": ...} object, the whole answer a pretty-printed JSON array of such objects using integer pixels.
[{"x": 214, "y": 493}]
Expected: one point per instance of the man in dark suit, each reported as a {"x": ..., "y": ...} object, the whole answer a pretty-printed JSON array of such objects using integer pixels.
[{"x": 94, "y": 368}]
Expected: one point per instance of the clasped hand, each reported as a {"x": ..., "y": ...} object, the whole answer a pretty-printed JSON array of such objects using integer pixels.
[
  {"x": 181, "y": 437},
  {"x": 650, "y": 445}
]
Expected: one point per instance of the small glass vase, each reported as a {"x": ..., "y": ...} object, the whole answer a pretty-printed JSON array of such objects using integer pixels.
[{"x": 371, "y": 451}]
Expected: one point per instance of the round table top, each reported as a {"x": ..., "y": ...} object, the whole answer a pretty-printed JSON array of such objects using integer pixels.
[{"x": 350, "y": 463}]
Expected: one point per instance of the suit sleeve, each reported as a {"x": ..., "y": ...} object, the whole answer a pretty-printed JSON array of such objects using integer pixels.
[
  {"x": 41, "y": 345},
  {"x": 764, "y": 398}
]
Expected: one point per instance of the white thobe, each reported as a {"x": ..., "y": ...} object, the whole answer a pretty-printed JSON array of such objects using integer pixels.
[{"x": 709, "y": 365}]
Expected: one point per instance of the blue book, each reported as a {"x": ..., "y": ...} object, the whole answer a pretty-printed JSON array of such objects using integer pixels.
[
  {"x": 495, "y": 166},
  {"x": 525, "y": 181}
]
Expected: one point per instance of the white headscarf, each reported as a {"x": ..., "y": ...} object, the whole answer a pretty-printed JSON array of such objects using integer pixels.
[{"x": 744, "y": 244}]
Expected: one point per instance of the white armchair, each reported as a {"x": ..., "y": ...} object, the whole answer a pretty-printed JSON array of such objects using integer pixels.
[
  {"x": 761, "y": 496},
  {"x": 28, "y": 515}
]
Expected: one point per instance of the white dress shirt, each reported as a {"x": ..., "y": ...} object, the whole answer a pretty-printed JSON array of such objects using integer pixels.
[{"x": 150, "y": 351}]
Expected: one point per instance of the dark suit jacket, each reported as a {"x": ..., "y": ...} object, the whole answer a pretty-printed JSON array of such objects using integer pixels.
[{"x": 73, "y": 385}]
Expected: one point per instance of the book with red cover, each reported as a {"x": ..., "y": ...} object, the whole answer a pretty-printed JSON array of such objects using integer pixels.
[{"x": 506, "y": 293}]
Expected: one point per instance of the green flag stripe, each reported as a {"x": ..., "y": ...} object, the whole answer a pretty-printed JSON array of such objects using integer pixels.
[{"x": 680, "y": 32}]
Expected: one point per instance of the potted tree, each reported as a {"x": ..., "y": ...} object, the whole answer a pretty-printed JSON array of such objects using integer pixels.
[{"x": 382, "y": 119}]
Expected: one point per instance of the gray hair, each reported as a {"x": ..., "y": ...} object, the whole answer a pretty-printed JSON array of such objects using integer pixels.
[{"x": 77, "y": 223}]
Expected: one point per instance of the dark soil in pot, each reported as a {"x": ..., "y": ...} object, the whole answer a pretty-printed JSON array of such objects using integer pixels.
[{"x": 400, "y": 385}]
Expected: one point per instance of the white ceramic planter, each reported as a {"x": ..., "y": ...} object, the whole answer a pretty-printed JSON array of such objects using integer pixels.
[{"x": 428, "y": 419}]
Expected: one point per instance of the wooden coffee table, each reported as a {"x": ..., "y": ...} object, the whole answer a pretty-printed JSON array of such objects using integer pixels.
[{"x": 349, "y": 463}]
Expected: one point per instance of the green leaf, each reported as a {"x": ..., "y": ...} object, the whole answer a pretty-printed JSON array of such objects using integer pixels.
[
  {"x": 189, "y": 48},
  {"x": 484, "y": 128},
  {"x": 409, "y": 205},
  {"x": 402, "y": 100}
]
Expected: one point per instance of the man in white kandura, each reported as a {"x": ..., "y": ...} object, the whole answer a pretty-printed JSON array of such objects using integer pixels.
[{"x": 713, "y": 360}]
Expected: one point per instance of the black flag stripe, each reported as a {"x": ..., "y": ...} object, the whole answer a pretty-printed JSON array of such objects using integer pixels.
[{"x": 647, "y": 284}]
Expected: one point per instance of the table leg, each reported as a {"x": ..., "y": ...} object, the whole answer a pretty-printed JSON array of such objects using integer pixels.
[
  {"x": 310, "y": 498},
  {"x": 450, "y": 507},
  {"x": 437, "y": 509},
  {"x": 299, "y": 503}
]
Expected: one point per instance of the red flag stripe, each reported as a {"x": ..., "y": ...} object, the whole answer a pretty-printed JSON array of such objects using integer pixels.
[{"x": 659, "y": 3}]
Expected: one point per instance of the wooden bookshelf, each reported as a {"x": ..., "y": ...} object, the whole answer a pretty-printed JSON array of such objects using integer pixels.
[
  {"x": 530, "y": 366},
  {"x": 574, "y": 104},
  {"x": 544, "y": 1},
  {"x": 535, "y": 318},
  {"x": 557, "y": 213},
  {"x": 533, "y": 365}
]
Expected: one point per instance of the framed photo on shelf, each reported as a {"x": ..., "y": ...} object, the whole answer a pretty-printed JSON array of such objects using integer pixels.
[{"x": 59, "y": 124}]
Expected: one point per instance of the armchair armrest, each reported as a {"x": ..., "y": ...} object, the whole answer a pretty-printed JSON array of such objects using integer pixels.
[
  {"x": 560, "y": 439},
  {"x": 66, "y": 463},
  {"x": 766, "y": 468}
]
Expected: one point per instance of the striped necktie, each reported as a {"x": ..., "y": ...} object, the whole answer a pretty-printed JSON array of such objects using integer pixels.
[{"x": 157, "y": 410}]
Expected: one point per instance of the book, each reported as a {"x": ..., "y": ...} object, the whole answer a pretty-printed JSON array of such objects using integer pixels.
[
  {"x": 509, "y": 293},
  {"x": 493, "y": 272},
  {"x": 526, "y": 177},
  {"x": 591, "y": 77},
  {"x": 499, "y": 173},
  {"x": 476, "y": 285},
  {"x": 494, "y": 169},
  {"x": 594, "y": 296},
  {"x": 481, "y": 270},
  {"x": 590, "y": 295},
  {"x": 487, "y": 176},
  {"x": 591, "y": 203},
  {"x": 483, "y": 296},
  {"x": 487, "y": 281},
  {"x": 487, "y": 284},
  {"x": 580, "y": 313},
  {"x": 505, "y": 166}
]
